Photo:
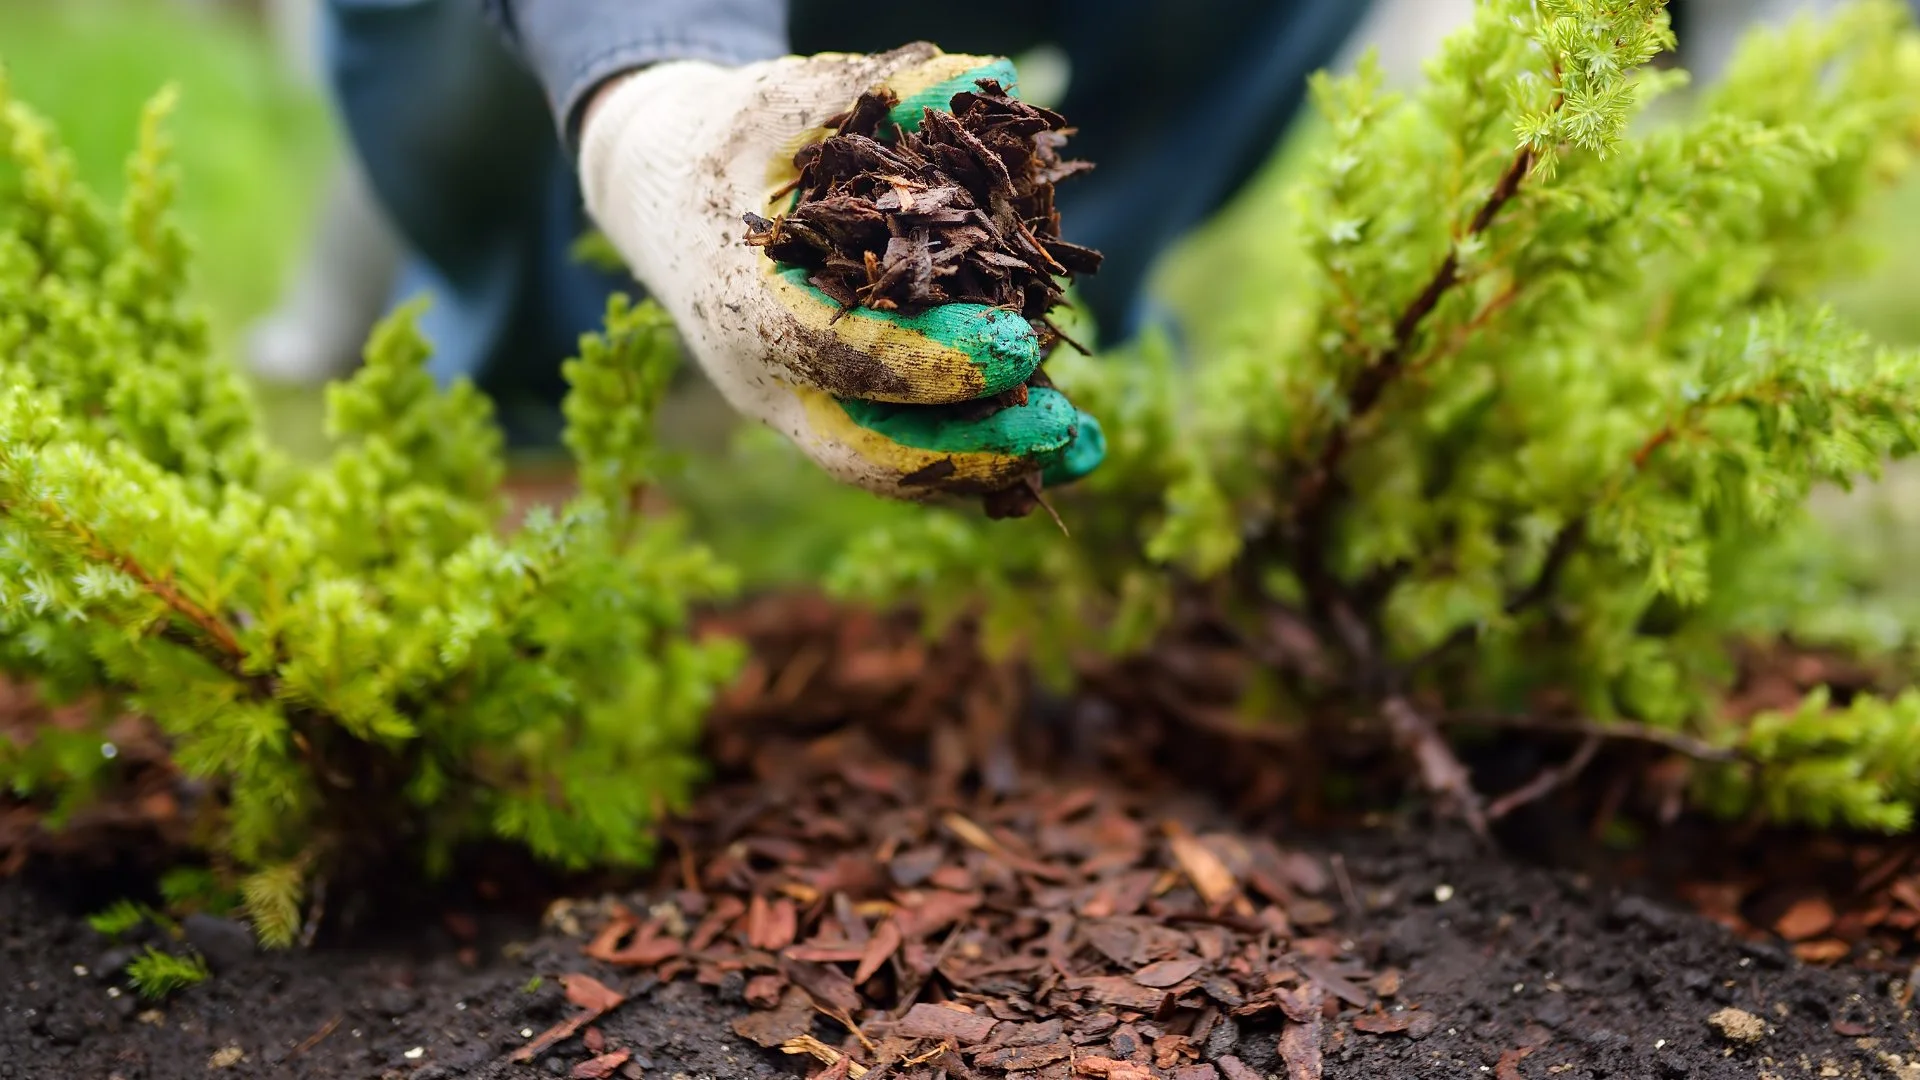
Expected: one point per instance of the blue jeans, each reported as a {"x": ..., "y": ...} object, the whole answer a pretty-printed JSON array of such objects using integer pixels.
[{"x": 1177, "y": 103}]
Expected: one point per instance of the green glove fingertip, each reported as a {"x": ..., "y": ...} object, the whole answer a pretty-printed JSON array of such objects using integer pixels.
[{"x": 1081, "y": 456}]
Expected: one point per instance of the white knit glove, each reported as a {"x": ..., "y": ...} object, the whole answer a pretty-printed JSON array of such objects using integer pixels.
[{"x": 673, "y": 157}]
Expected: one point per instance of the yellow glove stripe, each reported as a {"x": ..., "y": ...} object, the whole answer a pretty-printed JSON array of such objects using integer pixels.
[
  {"x": 929, "y": 370},
  {"x": 831, "y": 425}
]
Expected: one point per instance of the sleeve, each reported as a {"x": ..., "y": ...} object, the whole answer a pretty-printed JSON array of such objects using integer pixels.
[{"x": 572, "y": 46}]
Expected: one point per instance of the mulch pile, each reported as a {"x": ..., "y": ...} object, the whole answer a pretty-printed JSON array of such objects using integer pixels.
[
  {"x": 959, "y": 211},
  {"x": 910, "y": 867},
  {"x": 971, "y": 916}
]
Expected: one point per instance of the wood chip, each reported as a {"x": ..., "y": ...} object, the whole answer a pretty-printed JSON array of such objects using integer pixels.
[
  {"x": 590, "y": 993},
  {"x": 1806, "y": 919},
  {"x": 1508, "y": 1067},
  {"x": 878, "y": 949},
  {"x": 1166, "y": 973},
  {"x": 1024, "y": 1058},
  {"x": 807, "y": 1044},
  {"x": 600, "y": 1067},
  {"x": 925, "y": 1021},
  {"x": 790, "y": 1019},
  {"x": 1210, "y": 877}
]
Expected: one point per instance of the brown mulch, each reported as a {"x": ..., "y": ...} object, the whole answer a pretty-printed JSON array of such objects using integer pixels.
[
  {"x": 959, "y": 211},
  {"x": 977, "y": 917},
  {"x": 908, "y": 865}
]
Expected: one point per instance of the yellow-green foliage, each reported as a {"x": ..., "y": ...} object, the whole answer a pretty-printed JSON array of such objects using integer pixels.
[
  {"x": 1534, "y": 400},
  {"x": 356, "y": 655}
]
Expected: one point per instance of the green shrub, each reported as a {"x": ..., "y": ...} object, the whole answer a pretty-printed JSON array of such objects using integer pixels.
[
  {"x": 1530, "y": 409},
  {"x": 355, "y": 656},
  {"x": 157, "y": 974}
]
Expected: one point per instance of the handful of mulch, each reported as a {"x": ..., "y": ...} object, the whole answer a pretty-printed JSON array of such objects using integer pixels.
[{"x": 960, "y": 211}]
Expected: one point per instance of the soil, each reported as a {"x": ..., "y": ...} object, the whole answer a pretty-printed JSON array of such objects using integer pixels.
[
  {"x": 1527, "y": 973},
  {"x": 994, "y": 890}
]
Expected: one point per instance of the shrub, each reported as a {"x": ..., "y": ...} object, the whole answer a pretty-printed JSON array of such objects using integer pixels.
[
  {"x": 355, "y": 657},
  {"x": 1526, "y": 417}
]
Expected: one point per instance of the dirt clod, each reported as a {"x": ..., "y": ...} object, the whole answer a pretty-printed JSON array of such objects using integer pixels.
[{"x": 1738, "y": 1025}]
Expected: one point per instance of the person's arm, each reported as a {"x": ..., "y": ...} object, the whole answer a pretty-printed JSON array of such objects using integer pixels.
[
  {"x": 575, "y": 47},
  {"x": 689, "y": 132}
]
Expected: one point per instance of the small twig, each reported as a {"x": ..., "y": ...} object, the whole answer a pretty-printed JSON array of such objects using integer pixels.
[
  {"x": 912, "y": 993},
  {"x": 1440, "y": 769},
  {"x": 1546, "y": 781},
  {"x": 1062, "y": 335},
  {"x": 316, "y": 913},
  {"x": 316, "y": 1038},
  {"x": 1347, "y": 894}
]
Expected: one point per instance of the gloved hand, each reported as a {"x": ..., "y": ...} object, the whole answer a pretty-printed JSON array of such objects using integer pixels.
[{"x": 671, "y": 159}]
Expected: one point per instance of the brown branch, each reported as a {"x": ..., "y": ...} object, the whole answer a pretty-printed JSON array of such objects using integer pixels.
[
  {"x": 1546, "y": 781},
  {"x": 217, "y": 632},
  {"x": 1501, "y": 301},
  {"x": 215, "y": 640},
  {"x": 1377, "y": 375},
  {"x": 1565, "y": 543},
  {"x": 1419, "y": 737},
  {"x": 1614, "y": 731}
]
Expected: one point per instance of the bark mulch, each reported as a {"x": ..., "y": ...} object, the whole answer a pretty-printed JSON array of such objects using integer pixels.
[{"x": 906, "y": 869}]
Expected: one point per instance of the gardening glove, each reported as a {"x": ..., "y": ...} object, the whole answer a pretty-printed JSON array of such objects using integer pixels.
[{"x": 672, "y": 158}]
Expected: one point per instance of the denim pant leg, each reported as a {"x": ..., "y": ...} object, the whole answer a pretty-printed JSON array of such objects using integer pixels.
[
  {"x": 460, "y": 148},
  {"x": 1177, "y": 104}
]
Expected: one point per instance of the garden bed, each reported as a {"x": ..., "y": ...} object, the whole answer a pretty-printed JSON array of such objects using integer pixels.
[{"x": 1099, "y": 899}]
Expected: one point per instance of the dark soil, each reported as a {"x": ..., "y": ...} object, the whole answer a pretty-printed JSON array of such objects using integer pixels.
[
  {"x": 804, "y": 890},
  {"x": 1541, "y": 971}
]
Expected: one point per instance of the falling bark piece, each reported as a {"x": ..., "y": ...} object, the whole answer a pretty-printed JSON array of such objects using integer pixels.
[
  {"x": 925, "y": 1021},
  {"x": 606, "y": 941},
  {"x": 1210, "y": 877},
  {"x": 836, "y": 953},
  {"x": 1300, "y": 1049},
  {"x": 763, "y": 991},
  {"x": 1824, "y": 951},
  {"x": 1334, "y": 983},
  {"x": 1806, "y": 919},
  {"x": 1165, "y": 973},
  {"x": 781, "y": 1024},
  {"x": 807, "y": 1044},
  {"x": 1112, "y": 1069},
  {"x": 879, "y": 947},
  {"x": 601, "y": 1067},
  {"x": 1024, "y": 1058},
  {"x": 980, "y": 839},
  {"x": 772, "y": 925},
  {"x": 1383, "y": 1023},
  {"x": 590, "y": 993},
  {"x": 1508, "y": 1067},
  {"x": 935, "y": 910},
  {"x": 1235, "y": 1069},
  {"x": 828, "y": 986},
  {"x": 1118, "y": 990}
]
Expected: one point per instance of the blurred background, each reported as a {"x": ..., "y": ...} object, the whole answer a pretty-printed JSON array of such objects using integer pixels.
[{"x": 294, "y": 262}]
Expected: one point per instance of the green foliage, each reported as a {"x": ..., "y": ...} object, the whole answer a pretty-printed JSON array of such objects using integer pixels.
[
  {"x": 120, "y": 918},
  {"x": 157, "y": 974},
  {"x": 1542, "y": 424},
  {"x": 362, "y": 656}
]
